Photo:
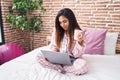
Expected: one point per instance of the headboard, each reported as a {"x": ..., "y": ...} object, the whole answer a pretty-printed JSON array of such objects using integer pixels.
[{"x": 118, "y": 45}]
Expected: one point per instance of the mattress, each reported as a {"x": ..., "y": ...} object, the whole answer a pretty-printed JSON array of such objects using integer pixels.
[{"x": 26, "y": 67}]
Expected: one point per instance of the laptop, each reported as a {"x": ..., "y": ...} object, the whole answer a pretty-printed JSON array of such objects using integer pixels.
[{"x": 57, "y": 57}]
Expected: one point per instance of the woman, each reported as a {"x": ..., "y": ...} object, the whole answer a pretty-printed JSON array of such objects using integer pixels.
[{"x": 67, "y": 37}]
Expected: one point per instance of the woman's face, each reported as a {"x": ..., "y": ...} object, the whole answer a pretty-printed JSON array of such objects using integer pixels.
[{"x": 64, "y": 22}]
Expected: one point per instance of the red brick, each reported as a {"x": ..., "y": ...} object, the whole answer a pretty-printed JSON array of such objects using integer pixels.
[{"x": 95, "y": 14}]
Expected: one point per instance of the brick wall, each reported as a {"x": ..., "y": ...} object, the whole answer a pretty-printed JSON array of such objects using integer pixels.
[
  {"x": 89, "y": 13},
  {"x": 13, "y": 35}
]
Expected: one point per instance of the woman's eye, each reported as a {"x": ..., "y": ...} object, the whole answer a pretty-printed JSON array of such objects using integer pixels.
[{"x": 64, "y": 21}]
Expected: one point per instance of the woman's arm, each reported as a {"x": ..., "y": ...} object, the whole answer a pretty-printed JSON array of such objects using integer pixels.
[{"x": 78, "y": 49}]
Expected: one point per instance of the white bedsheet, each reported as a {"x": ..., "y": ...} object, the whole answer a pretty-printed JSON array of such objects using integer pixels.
[{"x": 101, "y": 67}]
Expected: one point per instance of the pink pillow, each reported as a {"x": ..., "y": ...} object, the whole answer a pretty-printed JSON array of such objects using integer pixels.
[{"x": 94, "y": 41}]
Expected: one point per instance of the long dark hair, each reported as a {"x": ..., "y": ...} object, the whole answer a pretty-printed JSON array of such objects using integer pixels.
[{"x": 68, "y": 13}]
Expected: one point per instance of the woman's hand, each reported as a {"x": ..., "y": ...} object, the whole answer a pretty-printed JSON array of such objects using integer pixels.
[{"x": 79, "y": 36}]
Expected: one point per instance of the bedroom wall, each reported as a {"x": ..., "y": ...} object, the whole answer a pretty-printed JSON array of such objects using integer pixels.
[
  {"x": 89, "y": 13},
  {"x": 13, "y": 35}
]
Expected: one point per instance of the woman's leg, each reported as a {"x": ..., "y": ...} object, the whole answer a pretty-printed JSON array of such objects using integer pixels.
[
  {"x": 41, "y": 59},
  {"x": 79, "y": 67}
]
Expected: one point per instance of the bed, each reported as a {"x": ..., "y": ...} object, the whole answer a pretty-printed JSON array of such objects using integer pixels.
[
  {"x": 100, "y": 67},
  {"x": 26, "y": 67}
]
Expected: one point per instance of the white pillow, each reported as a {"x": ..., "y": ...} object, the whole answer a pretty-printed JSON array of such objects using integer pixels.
[{"x": 110, "y": 43}]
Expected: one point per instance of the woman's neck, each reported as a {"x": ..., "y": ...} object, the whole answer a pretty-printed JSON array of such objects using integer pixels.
[{"x": 66, "y": 32}]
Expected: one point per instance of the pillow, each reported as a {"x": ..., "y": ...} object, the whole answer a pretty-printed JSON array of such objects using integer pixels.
[
  {"x": 110, "y": 43},
  {"x": 94, "y": 41}
]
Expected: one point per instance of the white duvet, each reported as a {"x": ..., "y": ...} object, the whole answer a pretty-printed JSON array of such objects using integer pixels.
[{"x": 101, "y": 67}]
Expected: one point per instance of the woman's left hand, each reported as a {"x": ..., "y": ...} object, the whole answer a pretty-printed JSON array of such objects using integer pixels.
[{"x": 79, "y": 36}]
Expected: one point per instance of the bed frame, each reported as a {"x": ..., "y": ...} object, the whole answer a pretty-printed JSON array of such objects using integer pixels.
[{"x": 118, "y": 45}]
